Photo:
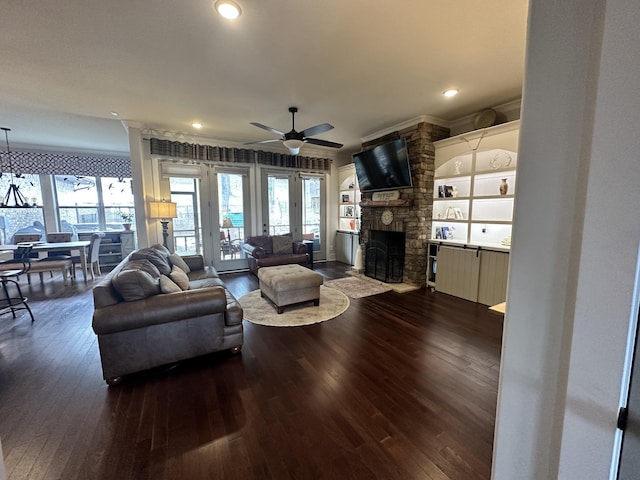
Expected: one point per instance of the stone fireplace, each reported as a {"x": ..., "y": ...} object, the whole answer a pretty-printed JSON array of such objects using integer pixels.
[{"x": 412, "y": 212}]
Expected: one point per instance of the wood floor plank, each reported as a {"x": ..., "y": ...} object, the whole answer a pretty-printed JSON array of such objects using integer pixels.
[{"x": 400, "y": 386}]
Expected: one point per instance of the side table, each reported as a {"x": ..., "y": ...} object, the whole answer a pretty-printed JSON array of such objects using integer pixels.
[{"x": 309, "y": 244}]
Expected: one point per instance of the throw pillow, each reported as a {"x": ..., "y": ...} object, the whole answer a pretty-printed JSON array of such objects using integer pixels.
[
  {"x": 168, "y": 286},
  {"x": 144, "y": 265},
  {"x": 154, "y": 257},
  {"x": 135, "y": 284},
  {"x": 179, "y": 277},
  {"x": 177, "y": 261},
  {"x": 281, "y": 244},
  {"x": 161, "y": 249}
]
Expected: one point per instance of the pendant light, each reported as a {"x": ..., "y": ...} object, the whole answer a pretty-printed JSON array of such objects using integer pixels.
[{"x": 13, "y": 197}]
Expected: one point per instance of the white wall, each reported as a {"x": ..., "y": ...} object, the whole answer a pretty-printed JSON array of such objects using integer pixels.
[{"x": 575, "y": 242}]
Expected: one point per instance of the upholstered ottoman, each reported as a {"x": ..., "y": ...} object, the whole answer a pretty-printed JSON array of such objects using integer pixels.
[{"x": 290, "y": 284}]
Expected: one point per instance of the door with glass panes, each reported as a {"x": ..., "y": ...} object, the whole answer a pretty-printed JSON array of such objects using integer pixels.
[
  {"x": 294, "y": 204},
  {"x": 230, "y": 217}
]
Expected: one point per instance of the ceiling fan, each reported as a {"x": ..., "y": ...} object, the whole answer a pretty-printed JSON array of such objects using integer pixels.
[{"x": 293, "y": 140}]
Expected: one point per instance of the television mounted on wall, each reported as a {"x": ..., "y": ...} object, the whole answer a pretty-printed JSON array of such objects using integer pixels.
[{"x": 385, "y": 167}]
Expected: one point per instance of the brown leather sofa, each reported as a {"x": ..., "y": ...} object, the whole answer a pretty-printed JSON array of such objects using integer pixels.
[
  {"x": 144, "y": 317},
  {"x": 268, "y": 251}
]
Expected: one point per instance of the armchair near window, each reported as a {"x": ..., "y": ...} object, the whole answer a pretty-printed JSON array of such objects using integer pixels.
[{"x": 227, "y": 247}]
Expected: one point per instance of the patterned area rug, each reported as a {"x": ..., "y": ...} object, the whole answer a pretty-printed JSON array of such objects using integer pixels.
[
  {"x": 356, "y": 288},
  {"x": 261, "y": 311}
]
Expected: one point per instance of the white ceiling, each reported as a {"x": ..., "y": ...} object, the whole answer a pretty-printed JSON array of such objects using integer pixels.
[{"x": 360, "y": 65}]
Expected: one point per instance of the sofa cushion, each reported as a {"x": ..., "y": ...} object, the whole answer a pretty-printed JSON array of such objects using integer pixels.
[
  {"x": 281, "y": 244},
  {"x": 135, "y": 284},
  {"x": 179, "y": 277},
  {"x": 168, "y": 286},
  {"x": 144, "y": 265},
  {"x": 154, "y": 257},
  {"x": 206, "y": 282},
  {"x": 177, "y": 261}
]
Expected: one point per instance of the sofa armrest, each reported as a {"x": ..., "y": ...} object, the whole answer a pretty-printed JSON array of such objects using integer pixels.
[
  {"x": 299, "y": 247},
  {"x": 256, "y": 252},
  {"x": 194, "y": 262},
  {"x": 162, "y": 308}
]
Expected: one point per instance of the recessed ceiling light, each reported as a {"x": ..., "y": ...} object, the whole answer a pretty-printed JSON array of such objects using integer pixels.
[
  {"x": 197, "y": 125},
  {"x": 115, "y": 114},
  {"x": 228, "y": 9},
  {"x": 451, "y": 92}
]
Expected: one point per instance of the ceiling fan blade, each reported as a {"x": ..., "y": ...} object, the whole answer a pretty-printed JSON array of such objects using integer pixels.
[
  {"x": 311, "y": 131},
  {"x": 264, "y": 127},
  {"x": 263, "y": 141},
  {"x": 324, "y": 143}
]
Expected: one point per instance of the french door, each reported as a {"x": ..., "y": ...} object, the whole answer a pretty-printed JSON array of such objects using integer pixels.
[
  {"x": 294, "y": 204},
  {"x": 230, "y": 217}
]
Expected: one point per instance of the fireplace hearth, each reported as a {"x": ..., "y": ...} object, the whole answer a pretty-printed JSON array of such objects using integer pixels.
[{"x": 384, "y": 256}]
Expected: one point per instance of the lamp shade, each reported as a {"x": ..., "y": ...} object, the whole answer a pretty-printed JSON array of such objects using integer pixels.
[
  {"x": 162, "y": 210},
  {"x": 293, "y": 145},
  {"x": 227, "y": 223}
]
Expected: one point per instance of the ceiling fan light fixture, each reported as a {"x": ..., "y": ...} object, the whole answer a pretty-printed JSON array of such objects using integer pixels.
[
  {"x": 228, "y": 9},
  {"x": 293, "y": 144}
]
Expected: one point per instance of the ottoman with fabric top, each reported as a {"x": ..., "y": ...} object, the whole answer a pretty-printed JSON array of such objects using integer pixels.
[{"x": 287, "y": 285}]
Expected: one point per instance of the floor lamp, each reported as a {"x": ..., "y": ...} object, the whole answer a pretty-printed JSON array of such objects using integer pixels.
[{"x": 164, "y": 211}]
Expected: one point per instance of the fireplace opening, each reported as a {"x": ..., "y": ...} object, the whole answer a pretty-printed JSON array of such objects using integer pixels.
[{"x": 384, "y": 256}]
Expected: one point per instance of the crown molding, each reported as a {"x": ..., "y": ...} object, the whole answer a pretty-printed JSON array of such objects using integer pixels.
[
  {"x": 406, "y": 124},
  {"x": 509, "y": 110},
  {"x": 26, "y": 147}
]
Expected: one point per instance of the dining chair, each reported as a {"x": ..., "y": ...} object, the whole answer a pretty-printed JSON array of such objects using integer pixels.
[
  {"x": 59, "y": 237},
  {"x": 93, "y": 256},
  {"x": 13, "y": 302}
]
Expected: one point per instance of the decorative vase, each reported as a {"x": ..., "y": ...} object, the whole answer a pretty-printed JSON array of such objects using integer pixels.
[
  {"x": 504, "y": 187},
  {"x": 126, "y": 226}
]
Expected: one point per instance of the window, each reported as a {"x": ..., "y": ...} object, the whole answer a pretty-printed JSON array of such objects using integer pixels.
[
  {"x": 92, "y": 203},
  {"x": 117, "y": 197},
  {"x": 187, "y": 231},
  {"x": 21, "y": 220}
]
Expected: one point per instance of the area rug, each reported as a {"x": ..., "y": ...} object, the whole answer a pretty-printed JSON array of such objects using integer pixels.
[
  {"x": 355, "y": 287},
  {"x": 261, "y": 311}
]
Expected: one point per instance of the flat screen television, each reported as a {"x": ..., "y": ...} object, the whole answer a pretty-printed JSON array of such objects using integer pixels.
[{"x": 385, "y": 167}]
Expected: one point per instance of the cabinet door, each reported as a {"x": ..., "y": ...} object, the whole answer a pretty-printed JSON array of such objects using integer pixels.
[
  {"x": 458, "y": 272},
  {"x": 492, "y": 286},
  {"x": 343, "y": 247}
]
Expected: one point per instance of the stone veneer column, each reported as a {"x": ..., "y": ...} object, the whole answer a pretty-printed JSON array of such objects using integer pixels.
[{"x": 413, "y": 220}]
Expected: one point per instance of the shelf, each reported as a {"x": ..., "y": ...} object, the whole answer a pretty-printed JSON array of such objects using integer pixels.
[
  {"x": 348, "y": 196},
  {"x": 400, "y": 202}
]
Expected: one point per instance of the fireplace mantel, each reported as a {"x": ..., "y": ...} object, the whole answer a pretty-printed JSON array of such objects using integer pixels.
[{"x": 400, "y": 202}]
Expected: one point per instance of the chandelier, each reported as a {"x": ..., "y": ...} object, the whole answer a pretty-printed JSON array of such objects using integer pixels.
[{"x": 14, "y": 197}]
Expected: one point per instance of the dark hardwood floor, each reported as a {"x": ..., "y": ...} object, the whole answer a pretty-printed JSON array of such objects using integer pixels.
[{"x": 401, "y": 386}]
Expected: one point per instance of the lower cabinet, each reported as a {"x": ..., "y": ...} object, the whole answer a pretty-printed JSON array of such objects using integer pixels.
[
  {"x": 472, "y": 273},
  {"x": 114, "y": 246},
  {"x": 346, "y": 247}
]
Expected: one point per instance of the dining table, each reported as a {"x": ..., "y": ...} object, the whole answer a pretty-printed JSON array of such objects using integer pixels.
[{"x": 79, "y": 245}]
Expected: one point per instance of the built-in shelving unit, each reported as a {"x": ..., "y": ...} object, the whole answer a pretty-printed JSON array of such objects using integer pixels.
[
  {"x": 474, "y": 193},
  {"x": 347, "y": 234},
  {"x": 471, "y": 204},
  {"x": 348, "y": 200}
]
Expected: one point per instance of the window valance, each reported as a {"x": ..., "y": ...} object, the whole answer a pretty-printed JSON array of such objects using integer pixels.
[
  {"x": 50, "y": 163},
  {"x": 209, "y": 153}
]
